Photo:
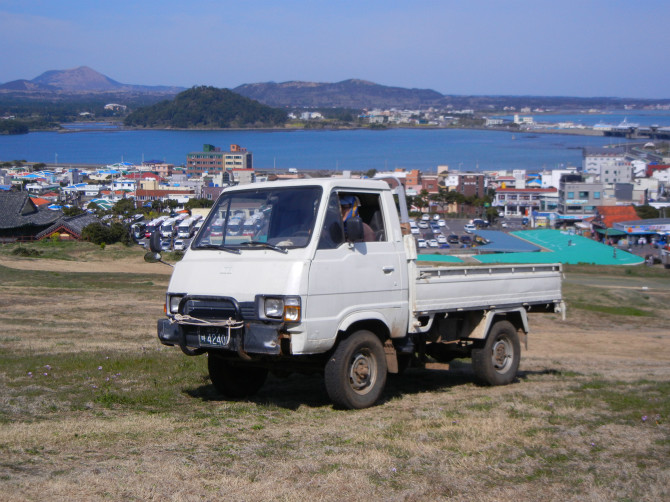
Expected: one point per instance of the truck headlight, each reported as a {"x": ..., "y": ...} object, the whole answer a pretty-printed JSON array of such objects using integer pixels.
[
  {"x": 274, "y": 307},
  {"x": 286, "y": 308},
  {"x": 173, "y": 304}
]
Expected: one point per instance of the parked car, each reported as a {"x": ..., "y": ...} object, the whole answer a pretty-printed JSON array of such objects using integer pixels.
[
  {"x": 179, "y": 245},
  {"x": 466, "y": 239},
  {"x": 480, "y": 223},
  {"x": 441, "y": 239},
  {"x": 166, "y": 245},
  {"x": 423, "y": 224},
  {"x": 425, "y": 217},
  {"x": 421, "y": 243},
  {"x": 441, "y": 222},
  {"x": 469, "y": 228},
  {"x": 415, "y": 230},
  {"x": 436, "y": 217},
  {"x": 433, "y": 243},
  {"x": 452, "y": 239}
]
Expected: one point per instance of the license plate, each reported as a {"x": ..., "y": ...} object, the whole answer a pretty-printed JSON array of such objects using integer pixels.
[{"x": 214, "y": 339}]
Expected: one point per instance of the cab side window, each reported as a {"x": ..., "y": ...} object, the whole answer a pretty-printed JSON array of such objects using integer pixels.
[
  {"x": 332, "y": 234},
  {"x": 370, "y": 212}
]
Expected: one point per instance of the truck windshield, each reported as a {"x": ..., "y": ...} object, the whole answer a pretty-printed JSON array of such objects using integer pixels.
[{"x": 282, "y": 218}]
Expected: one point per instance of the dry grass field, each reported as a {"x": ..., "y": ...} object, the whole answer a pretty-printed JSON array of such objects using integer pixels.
[{"x": 92, "y": 407}]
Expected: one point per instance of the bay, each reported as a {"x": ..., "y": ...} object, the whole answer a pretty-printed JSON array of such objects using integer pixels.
[{"x": 356, "y": 150}]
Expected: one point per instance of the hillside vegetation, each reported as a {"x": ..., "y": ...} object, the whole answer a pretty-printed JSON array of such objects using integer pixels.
[{"x": 207, "y": 107}]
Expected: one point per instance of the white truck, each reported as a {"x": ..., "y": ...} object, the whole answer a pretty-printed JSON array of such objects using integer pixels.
[{"x": 309, "y": 291}]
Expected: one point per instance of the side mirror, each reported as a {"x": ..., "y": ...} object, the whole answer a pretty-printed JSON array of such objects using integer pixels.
[
  {"x": 353, "y": 228},
  {"x": 155, "y": 242}
]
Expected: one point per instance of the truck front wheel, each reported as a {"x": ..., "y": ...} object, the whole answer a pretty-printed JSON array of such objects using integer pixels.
[
  {"x": 498, "y": 361},
  {"x": 235, "y": 381},
  {"x": 356, "y": 372}
]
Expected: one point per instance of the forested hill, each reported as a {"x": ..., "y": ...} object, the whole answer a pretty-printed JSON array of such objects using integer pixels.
[
  {"x": 207, "y": 107},
  {"x": 354, "y": 94}
]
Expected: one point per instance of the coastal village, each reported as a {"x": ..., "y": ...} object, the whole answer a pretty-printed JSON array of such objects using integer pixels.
[{"x": 596, "y": 200}]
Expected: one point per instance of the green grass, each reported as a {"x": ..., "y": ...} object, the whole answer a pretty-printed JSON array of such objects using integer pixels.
[
  {"x": 606, "y": 309},
  {"x": 80, "y": 280}
]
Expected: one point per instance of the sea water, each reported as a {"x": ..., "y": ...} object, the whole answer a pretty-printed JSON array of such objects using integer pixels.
[{"x": 355, "y": 150}]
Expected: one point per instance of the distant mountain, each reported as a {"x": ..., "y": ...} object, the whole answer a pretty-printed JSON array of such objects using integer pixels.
[
  {"x": 78, "y": 79},
  {"x": 207, "y": 107},
  {"x": 26, "y": 85},
  {"x": 81, "y": 80},
  {"x": 351, "y": 93}
]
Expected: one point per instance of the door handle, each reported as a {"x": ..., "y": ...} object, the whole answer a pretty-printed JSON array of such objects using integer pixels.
[{"x": 388, "y": 269}]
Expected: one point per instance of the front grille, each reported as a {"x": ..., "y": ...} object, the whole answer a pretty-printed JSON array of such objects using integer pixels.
[{"x": 219, "y": 308}]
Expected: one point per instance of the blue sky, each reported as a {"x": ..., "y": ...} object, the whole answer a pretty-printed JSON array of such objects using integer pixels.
[{"x": 505, "y": 47}]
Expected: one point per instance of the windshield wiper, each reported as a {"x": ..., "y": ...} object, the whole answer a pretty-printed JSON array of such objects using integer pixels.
[
  {"x": 266, "y": 245},
  {"x": 218, "y": 248}
]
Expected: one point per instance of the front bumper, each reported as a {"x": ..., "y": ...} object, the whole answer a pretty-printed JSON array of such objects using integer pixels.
[{"x": 252, "y": 337}]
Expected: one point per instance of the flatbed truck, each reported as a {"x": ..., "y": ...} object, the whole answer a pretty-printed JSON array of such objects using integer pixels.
[{"x": 311, "y": 292}]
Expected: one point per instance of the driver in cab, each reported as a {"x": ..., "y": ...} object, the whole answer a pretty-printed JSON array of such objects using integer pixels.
[{"x": 349, "y": 209}]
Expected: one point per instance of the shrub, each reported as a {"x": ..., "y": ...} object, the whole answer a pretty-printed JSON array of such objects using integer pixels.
[
  {"x": 97, "y": 233},
  {"x": 26, "y": 252}
]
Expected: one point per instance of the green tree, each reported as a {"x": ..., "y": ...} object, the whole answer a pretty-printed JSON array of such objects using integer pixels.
[
  {"x": 97, "y": 233},
  {"x": 197, "y": 203},
  {"x": 124, "y": 207},
  {"x": 73, "y": 211},
  {"x": 646, "y": 212}
]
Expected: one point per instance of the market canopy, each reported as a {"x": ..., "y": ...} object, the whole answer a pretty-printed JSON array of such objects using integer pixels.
[{"x": 610, "y": 232}]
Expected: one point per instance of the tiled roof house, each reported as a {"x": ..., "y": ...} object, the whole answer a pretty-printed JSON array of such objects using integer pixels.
[
  {"x": 21, "y": 218},
  {"x": 69, "y": 227}
]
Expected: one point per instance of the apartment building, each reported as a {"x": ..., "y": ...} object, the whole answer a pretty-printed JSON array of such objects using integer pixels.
[
  {"x": 522, "y": 201},
  {"x": 212, "y": 160},
  {"x": 578, "y": 199},
  {"x": 610, "y": 164},
  {"x": 471, "y": 184}
]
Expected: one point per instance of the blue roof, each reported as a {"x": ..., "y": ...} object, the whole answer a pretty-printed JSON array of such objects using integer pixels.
[
  {"x": 563, "y": 247},
  {"x": 501, "y": 242}
]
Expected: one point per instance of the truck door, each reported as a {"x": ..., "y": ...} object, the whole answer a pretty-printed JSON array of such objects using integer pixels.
[{"x": 357, "y": 280}]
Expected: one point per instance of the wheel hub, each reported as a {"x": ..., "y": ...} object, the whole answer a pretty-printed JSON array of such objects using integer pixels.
[
  {"x": 502, "y": 355},
  {"x": 361, "y": 374}
]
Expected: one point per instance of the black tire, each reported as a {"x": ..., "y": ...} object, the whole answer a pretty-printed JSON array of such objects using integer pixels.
[
  {"x": 235, "y": 381},
  {"x": 356, "y": 372},
  {"x": 497, "y": 362}
]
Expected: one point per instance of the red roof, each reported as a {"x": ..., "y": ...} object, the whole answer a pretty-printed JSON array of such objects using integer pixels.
[
  {"x": 143, "y": 175},
  {"x": 38, "y": 201},
  {"x": 651, "y": 168},
  {"x": 609, "y": 215},
  {"x": 532, "y": 190}
]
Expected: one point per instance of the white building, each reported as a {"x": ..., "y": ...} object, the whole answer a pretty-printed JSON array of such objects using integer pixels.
[
  {"x": 609, "y": 164},
  {"x": 552, "y": 179}
]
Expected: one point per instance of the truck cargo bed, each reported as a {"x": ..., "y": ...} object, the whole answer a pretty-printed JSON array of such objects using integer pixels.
[{"x": 443, "y": 289}]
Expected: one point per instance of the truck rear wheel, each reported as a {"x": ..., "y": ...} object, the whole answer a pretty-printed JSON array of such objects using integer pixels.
[
  {"x": 232, "y": 380},
  {"x": 497, "y": 362},
  {"x": 356, "y": 373}
]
